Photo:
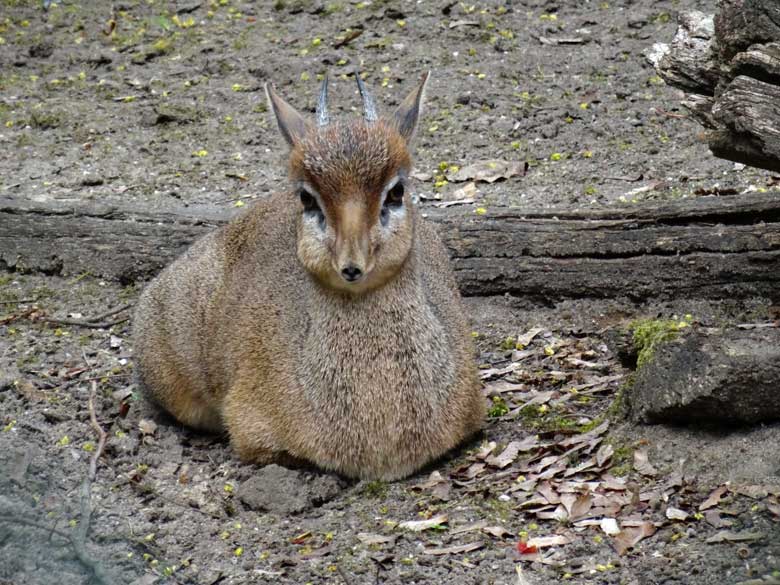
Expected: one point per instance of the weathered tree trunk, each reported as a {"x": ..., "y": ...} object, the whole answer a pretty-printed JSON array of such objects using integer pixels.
[
  {"x": 729, "y": 66},
  {"x": 709, "y": 248}
]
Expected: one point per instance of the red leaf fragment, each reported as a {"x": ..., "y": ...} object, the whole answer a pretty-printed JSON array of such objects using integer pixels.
[{"x": 524, "y": 549}]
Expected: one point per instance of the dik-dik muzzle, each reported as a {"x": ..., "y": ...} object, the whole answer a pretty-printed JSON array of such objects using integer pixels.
[
  {"x": 352, "y": 251},
  {"x": 354, "y": 232}
]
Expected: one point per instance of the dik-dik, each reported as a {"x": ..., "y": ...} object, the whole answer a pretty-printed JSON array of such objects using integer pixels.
[{"x": 324, "y": 324}]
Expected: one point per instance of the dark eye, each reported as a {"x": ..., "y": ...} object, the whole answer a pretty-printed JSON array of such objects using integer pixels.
[
  {"x": 395, "y": 196},
  {"x": 311, "y": 207}
]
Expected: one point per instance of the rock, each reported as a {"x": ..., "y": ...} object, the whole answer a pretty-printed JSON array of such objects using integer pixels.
[
  {"x": 716, "y": 376},
  {"x": 285, "y": 491}
]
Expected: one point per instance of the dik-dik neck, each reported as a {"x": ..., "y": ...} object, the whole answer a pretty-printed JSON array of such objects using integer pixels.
[{"x": 359, "y": 347}]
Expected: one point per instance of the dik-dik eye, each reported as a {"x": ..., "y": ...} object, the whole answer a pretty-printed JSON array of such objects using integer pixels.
[
  {"x": 311, "y": 207},
  {"x": 395, "y": 196},
  {"x": 393, "y": 200}
]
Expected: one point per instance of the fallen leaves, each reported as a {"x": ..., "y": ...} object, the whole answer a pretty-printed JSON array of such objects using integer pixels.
[
  {"x": 630, "y": 536},
  {"x": 487, "y": 171},
  {"x": 454, "y": 550},
  {"x": 420, "y": 525},
  {"x": 642, "y": 465},
  {"x": 728, "y": 536}
]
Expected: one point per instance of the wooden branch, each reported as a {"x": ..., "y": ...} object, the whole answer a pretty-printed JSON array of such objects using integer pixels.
[
  {"x": 747, "y": 115},
  {"x": 730, "y": 68},
  {"x": 742, "y": 23},
  {"x": 710, "y": 247}
]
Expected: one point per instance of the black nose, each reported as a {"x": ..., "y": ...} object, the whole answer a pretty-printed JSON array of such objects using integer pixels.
[{"x": 351, "y": 273}]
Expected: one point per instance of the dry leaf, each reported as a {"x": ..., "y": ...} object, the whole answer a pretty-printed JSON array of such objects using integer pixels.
[
  {"x": 585, "y": 437},
  {"x": 469, "y": 527},
  {"x": 629, "y": 537},
  {"x": 474, "y": 470},
  {"x": 610, "y": 526},
  {"x": 756, "y": 492},
  {"x": 728, "y": 536},
  {"x": 715, "y": 520},
  {"x": 434, "y": 479},
  {"x": 454, "y": 550},
  {"x": 548, "y": 541},
  {"x": 370, "y": 539},
  {"x": 146, "y": 426},
  {"x": 442, "y": 491},
  {"x": 526, "y": 338},
  {"x": 642, "y": 465},
  {"x": 487, "y": 171},
  {"x": 501, "y": 386},
  {"x": 676, "y": 514},
  {"x": 497, "y": 531},
  {"x": 546, "y": 490},
  {"x": 457, "y": 23},
  {"x": 485, "y": 450},
  {"x": 558, "y": 514},
  {"x": 714, "y": 498},
  {"x": 581, "y": 506},
  {"x": 506, "y": 457},
  {"x": 444, "y": 204},
  {"x": 468, "y": 191},
  {"x": 29, "y": 391},
  {"x": 604, "y": 453},
  {"x": 420, "y": 525},
  {"x": 492, "y": 373}
]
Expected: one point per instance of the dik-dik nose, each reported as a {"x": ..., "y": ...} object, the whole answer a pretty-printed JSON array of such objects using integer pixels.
[{"x": 351, "y": 273}]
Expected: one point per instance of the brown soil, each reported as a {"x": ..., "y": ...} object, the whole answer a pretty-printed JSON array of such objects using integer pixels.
[{"x": 161, "y": 104}]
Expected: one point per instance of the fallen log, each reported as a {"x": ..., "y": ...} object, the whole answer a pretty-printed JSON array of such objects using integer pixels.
[
  {"x": 707, "y": 247},
  {"x": 729, "y": 67}
]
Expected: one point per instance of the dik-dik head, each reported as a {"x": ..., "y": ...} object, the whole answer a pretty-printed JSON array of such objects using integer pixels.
[{"x": 356, "y": 223}]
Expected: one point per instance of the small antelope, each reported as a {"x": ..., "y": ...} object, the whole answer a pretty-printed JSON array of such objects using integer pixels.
[{"x": 325, "y": 323}]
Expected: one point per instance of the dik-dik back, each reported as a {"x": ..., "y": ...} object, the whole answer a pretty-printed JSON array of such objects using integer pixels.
[{"x": 325, "y": 323}]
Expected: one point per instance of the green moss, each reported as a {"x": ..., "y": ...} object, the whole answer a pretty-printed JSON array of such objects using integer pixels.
[
  {"x": 650, "y": 334},
  {"x": 544, "y": 419},
  {"x": 375, "y": 489},
  {"x": 502, "y": 511},
  {"x": 622, "y": 459},
  {"x": 499, "y": 408}
]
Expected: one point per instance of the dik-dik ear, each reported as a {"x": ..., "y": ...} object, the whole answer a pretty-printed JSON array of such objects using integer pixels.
[
  {"x": 408, "y": 113},
  {"x": 291, "y": 123}
]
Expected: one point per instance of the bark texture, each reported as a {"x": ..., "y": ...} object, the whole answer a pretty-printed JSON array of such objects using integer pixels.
[
  {"x": 708, "y": 248},
  {"x": 729, "y": 67}
]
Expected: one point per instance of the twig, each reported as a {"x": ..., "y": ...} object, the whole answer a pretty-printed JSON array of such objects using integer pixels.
[
  {"x": 343, "y": 575},
  {"x": 87, "y": 324},
  {"x": 95, "y": 322},
  {"x": 79, "y": 540},
  {"x": 100, "y": 432},
  {"x": 771, "y": 324},
  {"x": 18, "y": 302},
  {"x": 26, "y": 522},
  {"x": 22, "y": 315},
  {"x": 670, "y": 114}
]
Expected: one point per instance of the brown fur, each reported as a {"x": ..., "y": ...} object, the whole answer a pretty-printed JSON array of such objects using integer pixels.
[{"x": 253, "y": 330}]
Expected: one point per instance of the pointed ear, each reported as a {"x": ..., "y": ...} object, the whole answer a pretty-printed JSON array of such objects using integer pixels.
[
  {"x": 408, "y": 113},
  {"x": 291, "y": 123}
]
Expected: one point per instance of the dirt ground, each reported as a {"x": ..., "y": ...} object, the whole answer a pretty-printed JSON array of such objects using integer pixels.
[{"x": 161, "y": 104}]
